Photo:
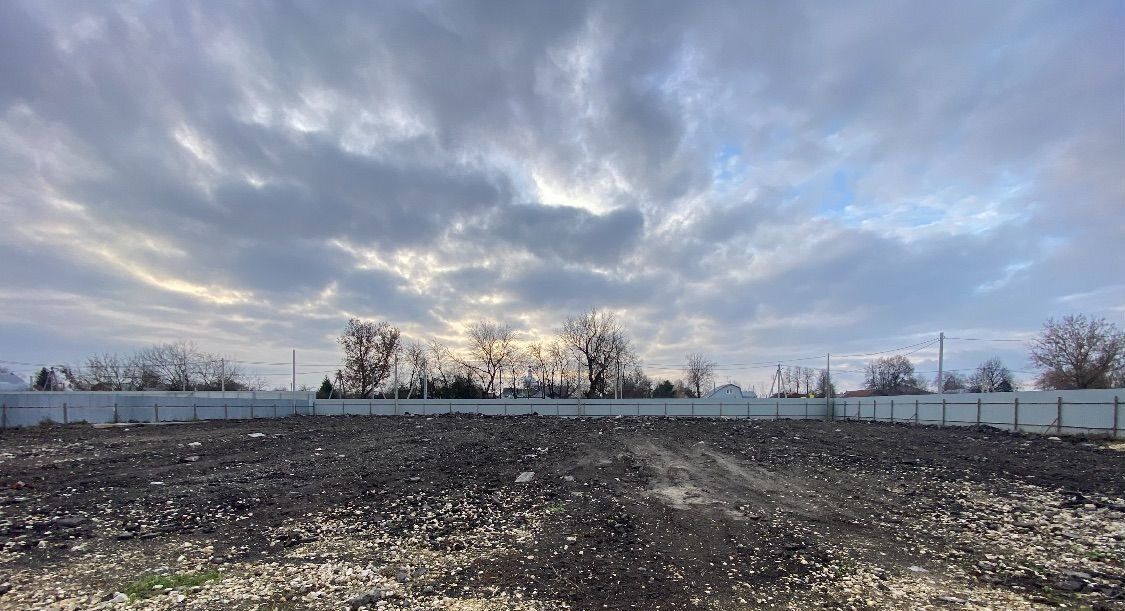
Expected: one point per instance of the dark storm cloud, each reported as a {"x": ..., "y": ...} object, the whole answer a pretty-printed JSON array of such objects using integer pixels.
[{"x": 742, "y": 179}]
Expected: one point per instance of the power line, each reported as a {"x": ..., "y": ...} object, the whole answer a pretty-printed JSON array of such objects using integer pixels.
[{"x": 986, "y": 339}]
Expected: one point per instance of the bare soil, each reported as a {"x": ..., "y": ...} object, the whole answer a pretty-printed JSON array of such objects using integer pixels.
[{"x": 425, "y": 513}]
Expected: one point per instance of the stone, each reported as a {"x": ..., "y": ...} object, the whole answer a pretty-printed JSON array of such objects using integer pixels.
[
  {"x": 70, "y": 521},
  {"x": 119, "y": 597},
  {"x": 525, "y": 477},
  {"x": 569, "y": 478},
  {"x": 190, "y": 458},
  {"x": 914, "y": 568},
  {"x": 194, "y": 444},
  {"x": 1069, "y": 585},
  {"x": 256, "y": 435},
  {"x": 367, "y": 598}
]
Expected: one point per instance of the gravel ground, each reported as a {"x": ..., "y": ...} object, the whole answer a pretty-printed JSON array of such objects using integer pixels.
[{"x": 414, "y": 513}]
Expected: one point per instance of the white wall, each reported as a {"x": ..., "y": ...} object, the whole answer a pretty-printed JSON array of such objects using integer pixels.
[
  {"x": 1096, "y": 412},
  {"x": 1056, "y": 412}
]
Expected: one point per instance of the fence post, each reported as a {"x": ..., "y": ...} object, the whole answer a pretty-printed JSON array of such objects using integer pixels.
[
  {"x": 806, "y": 409},
  {"x": 943, "y": 411},
  {"x": 916, "y": 411},
  {"x": 194, "y": 410},
  {"x": 4, "y": 416},
  {"x": 155, "y": 411},
  {"x": 115, "y": 412},
  {"x": 65, "y": 418},
  {"x": 226, "y": 412},
  {"x": 720, "y": 409},
  {"x": 978, "y": 411},
  {"x": 892, "y": 411},
  {"x": 777, "y": 409},
  {"x": 666, "y": 409},
  {"x": 1016, "y": 415},
  {"x": 275, "y": 410},
  {"x": 1058, "y": 416},
  {"x": 1116, "y": 418}
]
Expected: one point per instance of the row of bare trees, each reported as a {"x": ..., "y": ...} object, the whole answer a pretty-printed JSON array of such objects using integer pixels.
[
  {"x": 589, "y": 355},
  {"x": 179, "y": 365}
]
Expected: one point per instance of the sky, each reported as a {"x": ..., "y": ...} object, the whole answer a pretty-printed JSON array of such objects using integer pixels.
[{"x": 756, "y": 182}]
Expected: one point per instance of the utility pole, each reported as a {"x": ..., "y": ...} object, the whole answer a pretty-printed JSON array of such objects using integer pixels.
[
  {"x": 941, "y": 364},
  {"x": 293, "y": 386}
]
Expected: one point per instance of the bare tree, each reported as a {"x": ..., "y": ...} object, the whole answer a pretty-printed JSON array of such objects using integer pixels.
[
  {"x": 807, "y": 376},
  {"x": 492, "y": 351},
  {"x": 556, "y": 367},
  {"x": 599, "y": 344},
  {"x": 369, "y": 351},
  {"x": 1078, "y": 352},
  {"x": 953, "y": 381},
  {"x": 824, "y": 384},
  {"x": 891, "y": 375},
  {"x": 106, "y": 372},
  {"x": 991, "y": 376},
  {"x": 699, "y": 373},
  {"x": 413, "y": 357},
  {"x": 173, "y": 364}
]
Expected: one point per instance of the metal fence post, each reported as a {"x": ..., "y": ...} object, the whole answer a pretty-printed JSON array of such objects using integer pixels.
[
  {"x": 65, "y": 416},
  {"x": 4, "y": 416},
  {"x": 1058, "y": 416},
  {"x": 1116, "y": 417},
  {"x": 892, "y": 411},
  {"x": 1016, "y": 415},
  {"x": 115, "y": 412},
  {"x": 943, "y": 412},
  {"x": 194, "y": 410},
  {"x": 155, "y": 411},
  {"x": 978, "y": 411},
  {"x": 777, "y": 409},
  {"x": 916, "y": 411}
]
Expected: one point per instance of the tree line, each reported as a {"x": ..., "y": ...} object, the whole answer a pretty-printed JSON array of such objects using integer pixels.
[
  {"x": 179, "y": 365},
  {"x": 589, "y": 355},
  {"x": 1074, "y": 352}
]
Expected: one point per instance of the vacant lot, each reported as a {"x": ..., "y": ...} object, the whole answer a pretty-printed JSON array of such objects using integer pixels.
[{"x": 425, "y": 513}]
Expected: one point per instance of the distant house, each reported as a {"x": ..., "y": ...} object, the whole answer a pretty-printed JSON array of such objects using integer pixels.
[
  {"x": 731, "y": 391},
  {"x": 11, "y": 382}
]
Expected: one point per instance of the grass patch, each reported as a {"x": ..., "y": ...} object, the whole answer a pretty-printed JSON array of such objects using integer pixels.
[
  {"x": 556, "y": 508},
  {"x": 146, "y": 585}
]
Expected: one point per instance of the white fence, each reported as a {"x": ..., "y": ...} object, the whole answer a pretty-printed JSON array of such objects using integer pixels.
[
  {"x": 31, "y": 408},
  {"x": 703, "y": 408},
  {"x": 1057, "y": 412},
  {"x": 1065, "y": 412}
]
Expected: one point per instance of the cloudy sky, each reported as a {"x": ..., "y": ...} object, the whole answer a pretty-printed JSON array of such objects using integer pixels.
[{"x": 754, "y": 181}]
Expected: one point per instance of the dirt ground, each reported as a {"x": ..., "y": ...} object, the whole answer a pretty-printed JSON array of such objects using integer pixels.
[{"x": 418, "y": 513}]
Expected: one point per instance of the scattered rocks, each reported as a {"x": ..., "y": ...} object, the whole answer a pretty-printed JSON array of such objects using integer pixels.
[{"x": 525, "y": 477}]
